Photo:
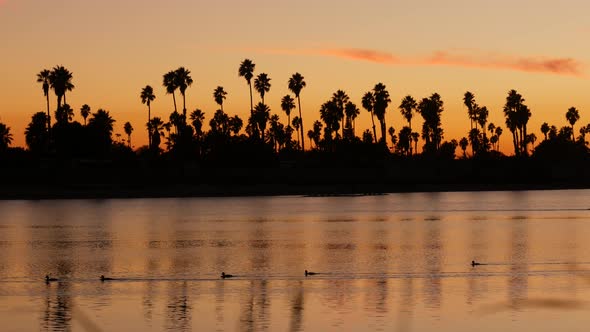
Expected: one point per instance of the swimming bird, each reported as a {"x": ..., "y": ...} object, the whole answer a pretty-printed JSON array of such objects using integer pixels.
[
  {"x": 308, "y": 273},
  {"x": 49, "y": 279},
  {"x": 474, "y": 263},
  {"x": 225, "y": 276},
  {"x": 103, "y": 278}
]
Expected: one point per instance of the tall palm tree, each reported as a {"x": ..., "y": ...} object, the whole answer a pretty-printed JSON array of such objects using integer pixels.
[
  {"x": 368, "y": 103},
  {"x": 44, "y": 77},
  {"x": 85, "y": 112},
  {"x": 60, "y": 80},
  {"x": 415, "y": 137},
  {"x": 147, "y": 96},
  {"x": 5, "y": 137},
  {"x": 572, "y": 116},
  {"x": 382, "y": 100},
  {"x": 246, "y": 71},
  {"x": 219, "y": 96},
  {"x": 296, "y": 84},
  {"x": 407, "y": 108},
  {"x": 469, "y": 101},
  {"x": 262, "y": 85},
  {"x": 128, "y": 130},
  {"x": 261, "y": 117},
  {"x": 287, "y": 105},
  {"x": 171, "y": 84},
  {"x": 184, "y": 80}
]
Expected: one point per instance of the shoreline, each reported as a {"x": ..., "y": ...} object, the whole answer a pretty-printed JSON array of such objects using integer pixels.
[{"x": 117, "y": 191}]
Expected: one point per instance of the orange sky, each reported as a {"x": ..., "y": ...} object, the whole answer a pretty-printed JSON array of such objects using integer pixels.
[{"x": 114, "y": 48}]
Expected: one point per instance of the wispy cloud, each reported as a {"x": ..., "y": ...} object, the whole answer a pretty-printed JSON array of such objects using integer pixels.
[{"x": 470, "y": 59}]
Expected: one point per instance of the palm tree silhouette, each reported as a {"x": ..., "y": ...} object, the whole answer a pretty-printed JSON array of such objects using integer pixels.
[
  {"x": 156, "y": 127},
  {"x": 5, "y": 137},
  {"x": 261, "y": 117},
  {"x": 368, "y": 103},
  {"x": 36, "y": 133},
  {"x": 128, "y": 130},
  {"x": 463, "y": 143},
  {"x": 235, "y": 124},
  {"x": 572, "y": 116},
  {"x": 297, "y": 125},
  {"x": 498, "y": 134},
  {"x": 415, "y": 138},
  {"x": 340, "y": 99},
  {"x": 262, "y": 85},
  {"x": 351, "y": 112},
  {"x": 246, "y": 71},
  {"x": 545, "y": 129},
  {"x": 382, "y": 100},
  {"x": 287, "y": 105},
  {"x": 469, "y": 101},
  {"x": 60, "y": 80},
  {"x": 171, "y": 84},
  {"x": 296, "y": 84},
  {"x": 517, "y": 116},
  {"x": 85, "y": 112},
  {"x": 407, "y": 108},
  {"x": 147, "y": 96},
  {"x": 183, "y": 81},
  {"x": 197, "y": 118},
  {"x": 219, "y": 96},
  {"x": 44, "y": 78}
]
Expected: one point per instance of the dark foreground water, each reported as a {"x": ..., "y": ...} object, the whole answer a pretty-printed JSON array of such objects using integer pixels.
[{"x": 398, "y": 262}]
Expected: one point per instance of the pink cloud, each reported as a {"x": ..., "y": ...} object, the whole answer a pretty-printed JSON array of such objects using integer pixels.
[{"x": 475, "y": 59}]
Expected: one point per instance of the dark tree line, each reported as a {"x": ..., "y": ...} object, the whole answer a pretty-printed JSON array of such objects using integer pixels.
[{"x": 217, "y": 135}]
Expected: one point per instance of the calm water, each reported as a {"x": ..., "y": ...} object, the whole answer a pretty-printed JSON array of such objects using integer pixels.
[{"x": 398, "y": 262}]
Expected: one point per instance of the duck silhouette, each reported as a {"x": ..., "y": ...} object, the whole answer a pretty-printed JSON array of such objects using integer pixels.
[
  {"x": 474, "y": 263},
  {"x": 225, "y": 276},
  {"x": 48, "y": 279},
  {"x": 309, "y": 273},
  {"x": 103, "y": 278}
]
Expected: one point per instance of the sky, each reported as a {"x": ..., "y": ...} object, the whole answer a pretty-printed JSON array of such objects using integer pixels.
[{"x": 116, "y": 47}]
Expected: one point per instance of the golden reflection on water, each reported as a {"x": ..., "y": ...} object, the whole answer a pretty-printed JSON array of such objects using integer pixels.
[{"x": 396, "y": 262}]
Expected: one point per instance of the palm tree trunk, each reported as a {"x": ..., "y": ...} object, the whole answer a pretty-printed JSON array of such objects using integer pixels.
[
  {"x": 515, "y": 142},
  {"x": 383, "y": 131},
  {"x": 149, "y": 131},
  {"x": 251, "y": 104},
  {"x": 65, "y": 101},
  {"x": 184, "y": 106},
  {"x": 48, "y": 114},
  {"x": 174, "y": 99},
  {"x": 301, "y": 125},
  {"x": 374, "y": 130}
]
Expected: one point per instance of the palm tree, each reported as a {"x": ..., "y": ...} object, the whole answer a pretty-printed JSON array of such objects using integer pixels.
[
  {"x": 147, "y": 96},
  {"x": 532, "y": 138},
  {"x": 44, "y": 77},
  {"x": 246, "y": 71},
  {"x": 197, "y": 118},
  {"x": 572, "y": 116},
  {"x": 469, "y": 101},
  {"x": 368, "y": 103},
  {"x": 261, "y": 117},
  {"x": 287, "y": 105},
  {"x": 5, "y": 137},
  {"x": 297, "y": 125},
  {"x": 60, "y": 80},
  {"x": 382, "y": 100},
  {"x": 517, "y": 115},
  {"x": 156, "y": 127},
  {"x": 407, "y": 108},
  {"x": 351, "y": 112},
  {"x": 170, "y": 83},
  {"x": 36, "y": 133},
  {"x": 183, "y": 81},
  {"x": 391, "y": 132},
  {"x": 128, "y": 130},
  {"x": 415, "y": 137},
  {"x": 219, "y": 96},
  {"x": 296, "y": 84},
  {"x": 262, "y": 85},
  {"x": 545, "y": 129},
  {"x": 463, "y": 143},
  {"x": 340, "y": 99},
  {"x": 85, "y": 112},
  {"x": 64, "y": 114}
]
